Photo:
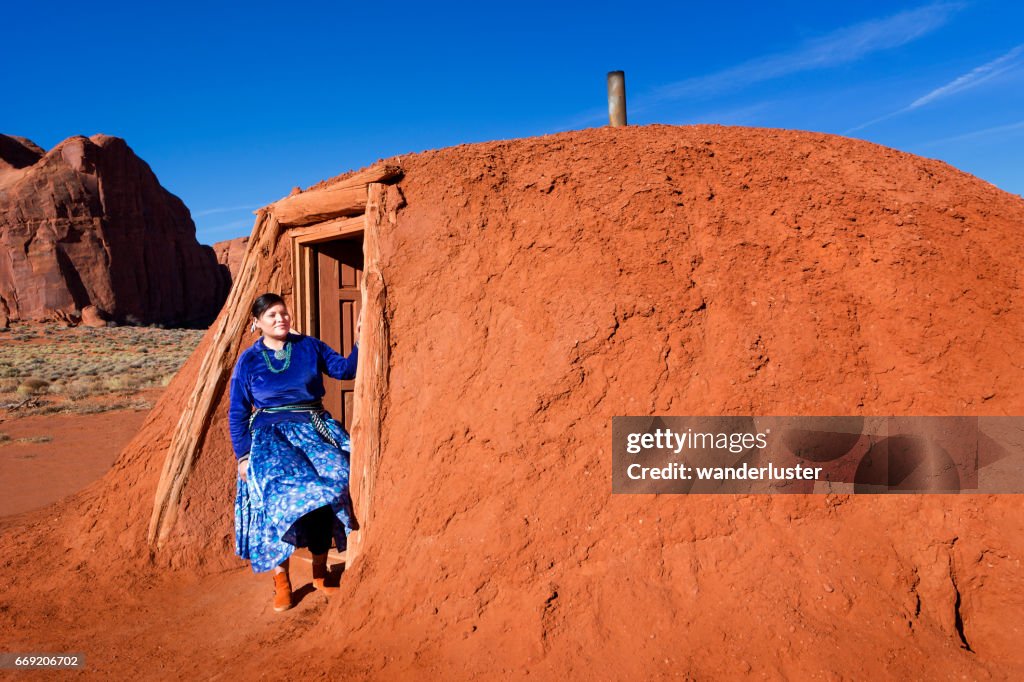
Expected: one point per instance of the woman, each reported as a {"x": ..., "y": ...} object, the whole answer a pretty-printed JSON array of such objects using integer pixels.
[{"x": 293, "y": 458}]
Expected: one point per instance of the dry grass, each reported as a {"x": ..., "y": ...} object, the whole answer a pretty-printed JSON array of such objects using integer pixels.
[
  {"x": 51, "y": 368},
  {"x": 7, "y": 440}
]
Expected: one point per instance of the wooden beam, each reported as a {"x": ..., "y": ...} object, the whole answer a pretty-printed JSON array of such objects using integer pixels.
[
  {"x": 309, "y": 313},
  {"x": 319, "y": 205},
  {"x": 345, "y": 198},
  {"x": 213, "y": 375},
  {"x": 379, "y": 173},
  {"x": 298, "y": 290},
  {"x": 327, "y": 231}
]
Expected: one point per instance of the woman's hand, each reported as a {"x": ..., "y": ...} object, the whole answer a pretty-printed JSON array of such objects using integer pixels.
[
  {"x": 243, "y": 468},
  {"x": 359, "y": 324}
]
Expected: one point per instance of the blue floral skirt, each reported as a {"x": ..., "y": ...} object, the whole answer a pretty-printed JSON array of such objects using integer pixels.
[{"x": 292, "y": 471}]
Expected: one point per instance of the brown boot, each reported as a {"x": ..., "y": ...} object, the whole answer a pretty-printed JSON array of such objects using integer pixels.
[
  {"x": 283, "y": 592},
  {"x": 320, "y": 575}
]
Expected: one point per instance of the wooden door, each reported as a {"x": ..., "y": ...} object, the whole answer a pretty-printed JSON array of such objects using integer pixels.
[{"x": 339, "y": 273}]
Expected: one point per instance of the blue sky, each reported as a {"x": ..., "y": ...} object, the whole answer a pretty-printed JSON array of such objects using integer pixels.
[{"x": 234, "y": 104}]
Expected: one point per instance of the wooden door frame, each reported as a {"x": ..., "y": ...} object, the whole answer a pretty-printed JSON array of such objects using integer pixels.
[
  {"x": 304, "y": 313},
  {"x": 371, "y": 383},
  {"x": 359, "y": 194}
]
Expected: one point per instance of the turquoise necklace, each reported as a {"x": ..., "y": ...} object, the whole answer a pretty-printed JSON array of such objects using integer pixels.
[{"x": 283, "y": 354}]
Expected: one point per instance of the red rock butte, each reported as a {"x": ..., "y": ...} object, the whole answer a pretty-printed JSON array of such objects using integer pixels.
[
  {"x": 230, "y": 253},
  {"x": 518, "y": 295},
  {"x": 88, "y": 223}
]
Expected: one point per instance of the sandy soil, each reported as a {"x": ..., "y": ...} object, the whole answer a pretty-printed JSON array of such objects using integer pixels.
[
  {"x": 80, "y": 449},
  {"x": 174, "y": 626}
]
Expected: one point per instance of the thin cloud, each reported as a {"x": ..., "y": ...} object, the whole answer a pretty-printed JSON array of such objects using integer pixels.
[
  {"x": 873, "y": 121},
  {"x": 226, "y": 227},
  {"x": 839, "y": 47},
  {"x": 834, "y": 49},
  {"x": 223, "y": 209},
  {"x": 976, "y": 76},
  {"x": 978, "y": 134}
]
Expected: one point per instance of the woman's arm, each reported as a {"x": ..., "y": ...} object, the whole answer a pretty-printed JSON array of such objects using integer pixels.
[
  {"x": 334, "y": 365},
  {"x": 239, "y": 409}
]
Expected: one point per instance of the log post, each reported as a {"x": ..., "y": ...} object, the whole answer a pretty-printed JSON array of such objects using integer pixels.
[
  {"x": 210, "y": 382},
  {"x": 372, "y": 380}
]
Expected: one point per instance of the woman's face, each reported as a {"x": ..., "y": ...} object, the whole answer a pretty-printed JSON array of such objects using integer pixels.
[{"x": 275, "y": 322}]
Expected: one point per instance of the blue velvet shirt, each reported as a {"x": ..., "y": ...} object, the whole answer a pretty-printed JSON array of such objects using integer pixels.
[{"x": 254, "y": 386}]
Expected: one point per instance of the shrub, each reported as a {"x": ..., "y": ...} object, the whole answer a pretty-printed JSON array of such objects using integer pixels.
[
  {"x": 121, "y": 383},
  {"x": 36, "y": 439},
  {"x": 33, "y": 385},
  {"x": 81, "y": 388}
]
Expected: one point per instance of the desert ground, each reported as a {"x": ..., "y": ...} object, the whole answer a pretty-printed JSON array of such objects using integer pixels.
[{"x": 71, "y": 398}]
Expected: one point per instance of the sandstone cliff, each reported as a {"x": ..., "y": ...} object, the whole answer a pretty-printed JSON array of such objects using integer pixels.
[
  {"x": 88, "y": 223},
  {"x": 229, "y": 253}
]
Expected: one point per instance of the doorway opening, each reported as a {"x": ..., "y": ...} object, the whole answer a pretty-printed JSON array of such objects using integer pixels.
[
  {"x": 336, "y": 277},
  {"x": 328, "y": 299}
]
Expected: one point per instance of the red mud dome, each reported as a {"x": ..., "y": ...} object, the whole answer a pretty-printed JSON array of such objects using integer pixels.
[{"x": 534, "y": 289}]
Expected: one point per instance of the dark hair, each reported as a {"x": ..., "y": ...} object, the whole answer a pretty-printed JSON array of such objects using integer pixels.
[{"x": 261, "y": 304}]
